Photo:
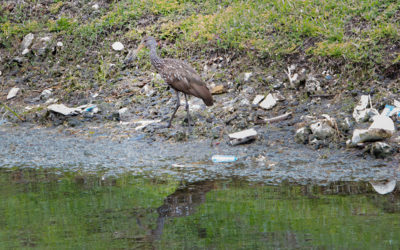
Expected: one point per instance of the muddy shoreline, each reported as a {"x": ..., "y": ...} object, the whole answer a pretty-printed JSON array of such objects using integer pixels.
[{"x": 272, "y": 158}]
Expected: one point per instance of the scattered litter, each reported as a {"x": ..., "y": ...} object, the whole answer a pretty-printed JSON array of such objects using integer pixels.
[
  {"x": 276, "y": 118},
  {"x": 60, "y": 44},
  {"x": 51, "y": 100},
  {"x": 383, "y": 187},
  {"x": 384, "y": 123},
  {"x": 122, "y": 111},
  {"x": 144, "y": 123},
  {"x": 25, "y": 51},
  {"x": 64, "y": 110},
  {"x": 92, "y": 109},
  {"x": 223, "y": 158},
  {"x": 12, "y": 93},
  {"x": 95, "y": 6},
  {"x": 361, "y": 112},
  {"x": 247, "y": 76},
  {"x": 27, "y": 41},
  {"x": 269, "y": 102},
  {"x": 258, "y": 99},
  {"x": 242, "y": 136},
  {"x": 390, "y": 110},
  {"x": 380, "y": 129},
  {"x": 118, "y": 46}
]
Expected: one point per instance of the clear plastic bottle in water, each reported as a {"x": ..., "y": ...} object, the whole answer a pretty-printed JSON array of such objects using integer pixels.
[{"x": 224, "y": 158}]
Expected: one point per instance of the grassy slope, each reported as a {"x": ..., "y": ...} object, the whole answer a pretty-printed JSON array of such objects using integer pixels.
[{"x": 350, "y": 35}]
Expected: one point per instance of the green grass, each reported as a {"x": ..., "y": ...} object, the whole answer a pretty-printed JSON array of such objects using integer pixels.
[{"x": 356, "y": 32}]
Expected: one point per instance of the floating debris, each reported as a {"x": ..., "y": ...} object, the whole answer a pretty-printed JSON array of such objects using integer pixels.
[{"x": 223, "y": 158}]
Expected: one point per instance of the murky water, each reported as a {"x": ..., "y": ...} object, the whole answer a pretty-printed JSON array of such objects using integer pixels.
[{"x": 47, "y": 208}]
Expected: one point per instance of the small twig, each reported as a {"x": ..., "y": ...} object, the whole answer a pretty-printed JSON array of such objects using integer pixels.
[
  {"x": 323, "y": 95},
  {"x": 275, "y": 119}
]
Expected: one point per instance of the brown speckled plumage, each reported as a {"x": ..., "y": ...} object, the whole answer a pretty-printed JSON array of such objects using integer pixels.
[{"x": 180, "y": 76}]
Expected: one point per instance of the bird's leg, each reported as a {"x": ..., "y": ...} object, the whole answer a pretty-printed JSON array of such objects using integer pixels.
[
  {"x": 187, "y": 110},
  {"x": 178, "y": 103}
]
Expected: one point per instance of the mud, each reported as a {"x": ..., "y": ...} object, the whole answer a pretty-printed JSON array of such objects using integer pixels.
[{"x": 272, "y": 158}]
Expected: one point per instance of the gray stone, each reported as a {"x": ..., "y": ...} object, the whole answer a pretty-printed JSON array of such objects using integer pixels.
[
  {"x": 302, "y": 135},
  {"x": 45, "y": 95},
  {"x": 321, "y": 130},
  {"x": 381, "y": 150}
]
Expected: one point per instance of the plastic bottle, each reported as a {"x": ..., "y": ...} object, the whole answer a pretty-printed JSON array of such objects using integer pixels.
[{"x": 223, "y": 158}]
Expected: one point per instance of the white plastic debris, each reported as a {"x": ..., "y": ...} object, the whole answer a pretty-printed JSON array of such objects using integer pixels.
[
  {"x": 269, "y": 102},
  {"x": 122, "y": 111},
  {"x": 64, "y": 110},
  {"x": 95, "y": 6},
  {"x": 380, "y": 129},
  {"x": 242, "y": 136},
  {"x": 51, "y": 100},
  {"x": 258, "y": 99},
  {"x": 383, "y": 187},
  {"x": 144, "y": 123},
  {"x": 25, "y": 51},
  {"x": 223, "y": 158},
  {"x": 12, "y": 93},
  {"x": 27, "y": 41},
  {"x": 361, "y": 112},
  {"x": 384, "y": 123},
  {"x": 118, "y": 46},
  {"x": 247, "y": 76},
  {"x": 60, "y": 44}
]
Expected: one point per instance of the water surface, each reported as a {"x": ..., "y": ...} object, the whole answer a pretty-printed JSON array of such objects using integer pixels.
[{"x": 47, "y": 208}]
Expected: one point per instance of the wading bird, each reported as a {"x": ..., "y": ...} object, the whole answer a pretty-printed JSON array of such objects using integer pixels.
[{"x": 179, "y": 75}]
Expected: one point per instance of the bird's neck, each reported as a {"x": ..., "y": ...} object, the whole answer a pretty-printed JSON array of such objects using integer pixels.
[{"x": 154, "y": 58}]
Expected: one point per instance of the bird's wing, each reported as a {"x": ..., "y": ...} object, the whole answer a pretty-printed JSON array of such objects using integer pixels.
[{"x": 184, "y": 78}]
